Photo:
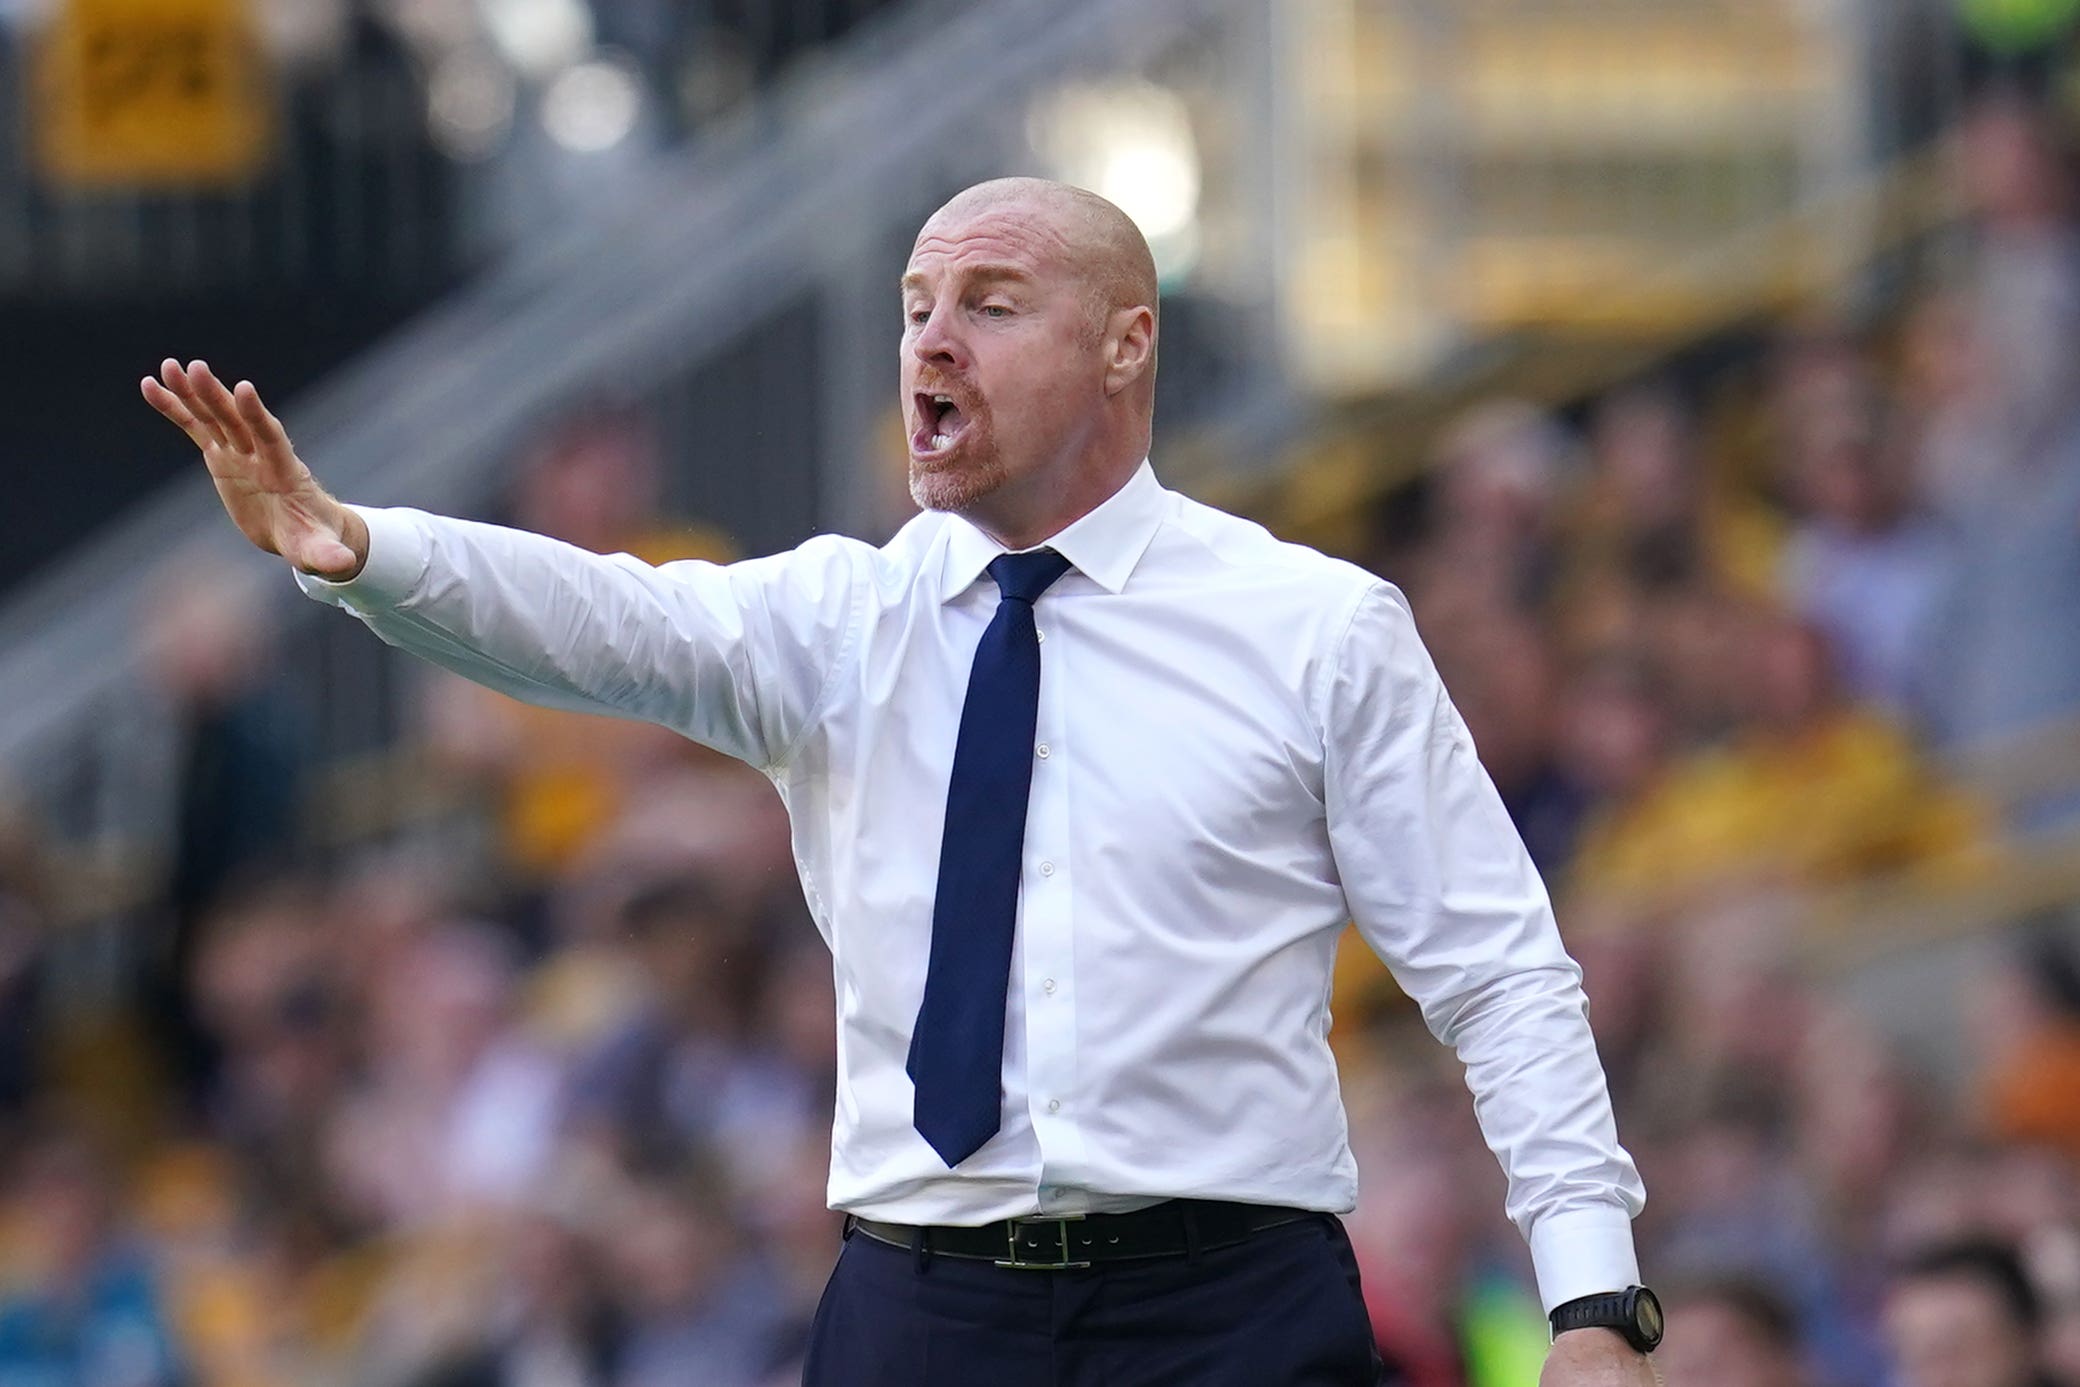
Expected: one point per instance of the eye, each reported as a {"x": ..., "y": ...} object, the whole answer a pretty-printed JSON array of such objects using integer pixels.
[
  {"x": 918, "y": 316},
  {"x": 996, "y": 310}
]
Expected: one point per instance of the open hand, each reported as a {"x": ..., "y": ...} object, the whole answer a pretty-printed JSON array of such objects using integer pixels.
[
  {"x": 1596, "y": 1358},
  {"x": 270, "y": 495}
]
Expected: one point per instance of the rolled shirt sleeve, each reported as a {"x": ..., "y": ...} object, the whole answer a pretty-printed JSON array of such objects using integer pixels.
[
  {"x": 739, "y": 657},
  {"x": 1440, "y": 885}
]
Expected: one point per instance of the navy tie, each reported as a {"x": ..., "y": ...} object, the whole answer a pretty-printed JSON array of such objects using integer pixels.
[{"x": 957, "y": 1049}]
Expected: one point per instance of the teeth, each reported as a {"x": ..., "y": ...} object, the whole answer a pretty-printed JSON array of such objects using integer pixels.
[
  {"x": 940, "y": 440},
  {"x": 942, "y": 399}
]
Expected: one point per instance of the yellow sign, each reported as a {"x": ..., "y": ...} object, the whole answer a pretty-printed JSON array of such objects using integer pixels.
[{"x": 151, "y": 92}]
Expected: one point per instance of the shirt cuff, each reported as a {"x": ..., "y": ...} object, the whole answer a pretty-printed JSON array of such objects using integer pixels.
[
  {"x": 1583, "y": 1252},
  {"x": 398, "y": 553}
]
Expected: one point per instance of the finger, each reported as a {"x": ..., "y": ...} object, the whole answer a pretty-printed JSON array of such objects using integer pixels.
[
  {"x": 183, "y": 389},
  {"x": 223, "y": 410},
  {"x": 271, "y": 440},
  {"x": 169, "y": 404}
]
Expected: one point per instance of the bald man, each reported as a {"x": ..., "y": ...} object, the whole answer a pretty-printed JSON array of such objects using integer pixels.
[{"x": 1085, "y": 779}]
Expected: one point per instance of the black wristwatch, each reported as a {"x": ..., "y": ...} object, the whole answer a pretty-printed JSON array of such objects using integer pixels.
[{"x": 1635, "y": 1313}]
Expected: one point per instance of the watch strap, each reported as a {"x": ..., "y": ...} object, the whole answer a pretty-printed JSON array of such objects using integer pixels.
[{"x": 1614, "y": 1310}]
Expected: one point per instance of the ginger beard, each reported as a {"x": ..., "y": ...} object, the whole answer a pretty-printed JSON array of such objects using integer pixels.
[{"x": 953, "y": 455}]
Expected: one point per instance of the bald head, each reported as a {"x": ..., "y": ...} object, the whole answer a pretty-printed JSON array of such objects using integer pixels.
[
  {"x": 1092, "y": 236},
  {"x": 1028, "y": 356}
]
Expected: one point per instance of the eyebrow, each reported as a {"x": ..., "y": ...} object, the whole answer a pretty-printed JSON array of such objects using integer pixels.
[{"x": 987, "y": 272}]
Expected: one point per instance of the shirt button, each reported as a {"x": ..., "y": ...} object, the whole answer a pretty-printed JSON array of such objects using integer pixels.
[
  {"x": 1054, "y": 1105},
  {"x": 1041, "y": 634},
  {"x": 1042, "y": 751},
  {"x": 1047, "y": 869},
  {"x": 1048, "y": 987}
]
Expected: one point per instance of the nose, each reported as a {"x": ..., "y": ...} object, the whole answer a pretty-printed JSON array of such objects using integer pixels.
[{"x": 935, "y": 343}]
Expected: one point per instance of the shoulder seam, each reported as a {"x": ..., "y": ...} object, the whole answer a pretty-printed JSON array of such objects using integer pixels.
[{"x": 1333, "y": 666}]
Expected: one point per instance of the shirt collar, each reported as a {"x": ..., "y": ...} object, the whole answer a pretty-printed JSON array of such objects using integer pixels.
[{"x": 1104, "y": 545}]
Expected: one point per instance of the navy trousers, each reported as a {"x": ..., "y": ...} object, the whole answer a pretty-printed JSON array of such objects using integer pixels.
[{"x": 1279, "y": 1310}]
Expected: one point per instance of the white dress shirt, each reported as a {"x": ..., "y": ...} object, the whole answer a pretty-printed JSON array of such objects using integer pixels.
[{"x": 1242, "y": 744}]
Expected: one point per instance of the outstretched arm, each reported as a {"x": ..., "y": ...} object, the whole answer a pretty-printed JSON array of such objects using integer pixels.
[{"x": 739, "y": 657}]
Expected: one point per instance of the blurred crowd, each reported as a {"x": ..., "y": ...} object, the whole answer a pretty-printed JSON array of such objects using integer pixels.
[
  {"x": 527, "y": 1080},
  {"x": 1729, "y": 640}
]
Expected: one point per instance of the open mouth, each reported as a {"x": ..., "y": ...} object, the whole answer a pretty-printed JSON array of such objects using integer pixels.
[{"x": 940, "y": 423}]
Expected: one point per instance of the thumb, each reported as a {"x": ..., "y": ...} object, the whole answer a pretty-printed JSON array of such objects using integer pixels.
[{"x": 324, "y": 556}]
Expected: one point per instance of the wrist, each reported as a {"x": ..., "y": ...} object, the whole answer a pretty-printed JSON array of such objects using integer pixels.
[
  {"x": 1597, "y": 1336},
  {"x": 353, "y": 532}
]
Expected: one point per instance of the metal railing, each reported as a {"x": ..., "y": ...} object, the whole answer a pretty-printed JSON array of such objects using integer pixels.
[{"x": 355, "y": 170}]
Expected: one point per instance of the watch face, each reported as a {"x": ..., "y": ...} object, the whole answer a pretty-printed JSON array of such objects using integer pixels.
[{"x": 1646, "y": 1313}]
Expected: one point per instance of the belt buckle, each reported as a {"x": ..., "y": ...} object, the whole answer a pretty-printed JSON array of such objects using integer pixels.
[{"x": 1061, "y": 1231}]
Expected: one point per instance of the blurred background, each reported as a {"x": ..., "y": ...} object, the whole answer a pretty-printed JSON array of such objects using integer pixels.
[{"x": 1706, "y": 371}]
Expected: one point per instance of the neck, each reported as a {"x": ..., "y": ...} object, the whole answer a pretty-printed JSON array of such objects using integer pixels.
[{"x": 1021, "y": 515}]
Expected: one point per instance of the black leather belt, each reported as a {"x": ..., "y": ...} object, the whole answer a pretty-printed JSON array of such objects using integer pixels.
[{"x": 1169, "y": 1229}]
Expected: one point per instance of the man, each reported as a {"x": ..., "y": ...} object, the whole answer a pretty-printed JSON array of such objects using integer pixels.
[
  {"x": 1731, "y": 1333},
  {"x": 1084, "y": 780},
  {"x": 1964, "y": 1315}
]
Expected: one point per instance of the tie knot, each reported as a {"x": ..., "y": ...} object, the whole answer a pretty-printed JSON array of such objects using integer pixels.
[{"x": 1026, "y": 576}]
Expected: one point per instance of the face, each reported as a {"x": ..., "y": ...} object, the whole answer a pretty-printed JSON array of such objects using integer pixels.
[
  {"x": 1643, "y": 447},
  {"x": 1611, "y": 735},
  {"x": 1954, "y": 1332},
  {"x": 1841, "y": 483},
  {"x": 1714, "y": 1345},
  {"x": 1002, "y": 373},
  {"x": 1791, "y": 676}
]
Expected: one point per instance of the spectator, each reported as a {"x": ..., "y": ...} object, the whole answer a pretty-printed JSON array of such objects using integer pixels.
[
  {"x": 658, "y": 1086},
  {"x": 690, "y": 1295},
  {"x": 1500, "y": 473},
  {"x": 1651, "y": 516},
  {"x": 2029, "y": 1038},
  {"x": 2000, "y": 446},
  {"x": 457, "y": 1112},
  {"x": 1964, "y": 1315},
  {"x": 23, "y": 922},
  {"x": 1613, "y": 741},
  {"x": 267, "y": 993},
  {"x": 1730, "y": 1333},
  {"x": 1861, "y": 567},
  {"x": 1814, "y": 789},
  {"x": 235, "y": 793},
  {"x": 551, "y": 1321},
  {"x": 1502, "y": 676},
  {"x": 87, "y": 1308},
  {"x": 558, "y": 780}
]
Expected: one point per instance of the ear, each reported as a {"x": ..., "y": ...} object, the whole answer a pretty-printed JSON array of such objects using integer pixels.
[{"x": 1130, "y": 347}]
